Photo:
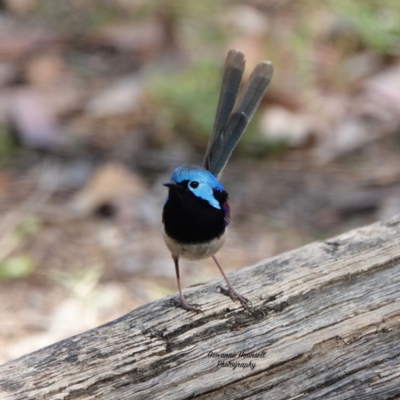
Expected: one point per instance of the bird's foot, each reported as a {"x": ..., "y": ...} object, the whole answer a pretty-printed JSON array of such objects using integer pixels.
[
  {"x": 235, "y": 296},
  {"x": 190, "y": 306}
]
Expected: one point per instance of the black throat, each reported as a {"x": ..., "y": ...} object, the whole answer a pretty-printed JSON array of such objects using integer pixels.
[{"x": 190, "y": 219}]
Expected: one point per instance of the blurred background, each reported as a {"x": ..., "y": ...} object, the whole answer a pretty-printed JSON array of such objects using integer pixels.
[{"x": 101, "y": 99}]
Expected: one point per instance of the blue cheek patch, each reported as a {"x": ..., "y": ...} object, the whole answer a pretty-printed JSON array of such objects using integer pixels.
[{"x": 205, "y": 192}]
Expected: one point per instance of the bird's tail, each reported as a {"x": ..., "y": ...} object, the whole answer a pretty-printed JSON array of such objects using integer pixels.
[{"x": 230, "y": 122}]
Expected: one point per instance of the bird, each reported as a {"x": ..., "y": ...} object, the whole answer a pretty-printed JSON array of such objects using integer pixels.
[{"x": 196, "y": 212}]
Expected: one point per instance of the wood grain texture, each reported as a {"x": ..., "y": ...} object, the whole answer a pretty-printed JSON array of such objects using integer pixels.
[{"x": 326, "y": 315}]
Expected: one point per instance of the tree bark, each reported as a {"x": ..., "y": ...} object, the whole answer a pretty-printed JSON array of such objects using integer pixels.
[{"x": 325, "y": 324}]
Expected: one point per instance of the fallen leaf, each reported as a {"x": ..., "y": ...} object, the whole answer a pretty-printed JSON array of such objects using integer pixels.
[
  {"x": 45, "y": 69},
  {"x": 109, "y": 185},
  {"x": 385, "y": 88},
  {"x": 34, "y": 119},
  {"x": 144, "y": 39},
  {"x": 279, "y": 124},
  {"x": 122, "y": 97},
  {"x": 21, "y": 8},
  {"x": 348, "y": 134}
]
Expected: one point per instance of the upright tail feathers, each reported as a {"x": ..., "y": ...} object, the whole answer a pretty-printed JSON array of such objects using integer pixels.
[{"x": 229, "y": 125}]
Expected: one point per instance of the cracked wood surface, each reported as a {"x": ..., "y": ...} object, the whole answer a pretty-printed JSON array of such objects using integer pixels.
[{"x": 326, "y": 315}]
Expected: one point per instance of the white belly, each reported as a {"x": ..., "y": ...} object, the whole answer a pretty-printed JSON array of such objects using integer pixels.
[{"x": 194, "y": 251}]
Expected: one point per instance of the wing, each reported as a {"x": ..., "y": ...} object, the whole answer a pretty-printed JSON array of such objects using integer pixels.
[{"x": 223, "y": 141}]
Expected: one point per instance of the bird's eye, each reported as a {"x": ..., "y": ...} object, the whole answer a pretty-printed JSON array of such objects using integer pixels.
[{"x": 194, "y": 184}]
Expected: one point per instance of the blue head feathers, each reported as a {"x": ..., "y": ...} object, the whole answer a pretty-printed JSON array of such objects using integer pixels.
[{"x": 201, "y": 182}]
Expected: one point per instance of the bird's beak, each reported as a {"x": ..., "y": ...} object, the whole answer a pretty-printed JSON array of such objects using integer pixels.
[{"x": 171, "y": 184}]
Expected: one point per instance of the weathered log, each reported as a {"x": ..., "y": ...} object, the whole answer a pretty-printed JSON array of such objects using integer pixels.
[{"x": 325, "y": 325}]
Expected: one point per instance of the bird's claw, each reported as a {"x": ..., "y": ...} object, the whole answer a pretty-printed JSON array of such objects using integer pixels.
[
  {"x": 191, "y": 306},
  {"x": 235, "y": 296}
]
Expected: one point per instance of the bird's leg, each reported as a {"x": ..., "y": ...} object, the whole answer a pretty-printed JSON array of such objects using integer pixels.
[
  {"x": 184, "y": 304},
  {"x": 231, "y": 292}
]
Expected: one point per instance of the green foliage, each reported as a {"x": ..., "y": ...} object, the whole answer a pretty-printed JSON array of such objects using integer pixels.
[
  {"x": 263, "y": 148},
  {"x": 376, "y": 22},
  {"x": 7, "y": 144},
  {"x": 27, "y": 227},
  {"x": 179, "y": 9},
  {"x": 16, "y": 267},
  {"x": 80, "y": 16},
  {"x": 188, "y": 100},
  {"x": 341, "y": 28}
]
